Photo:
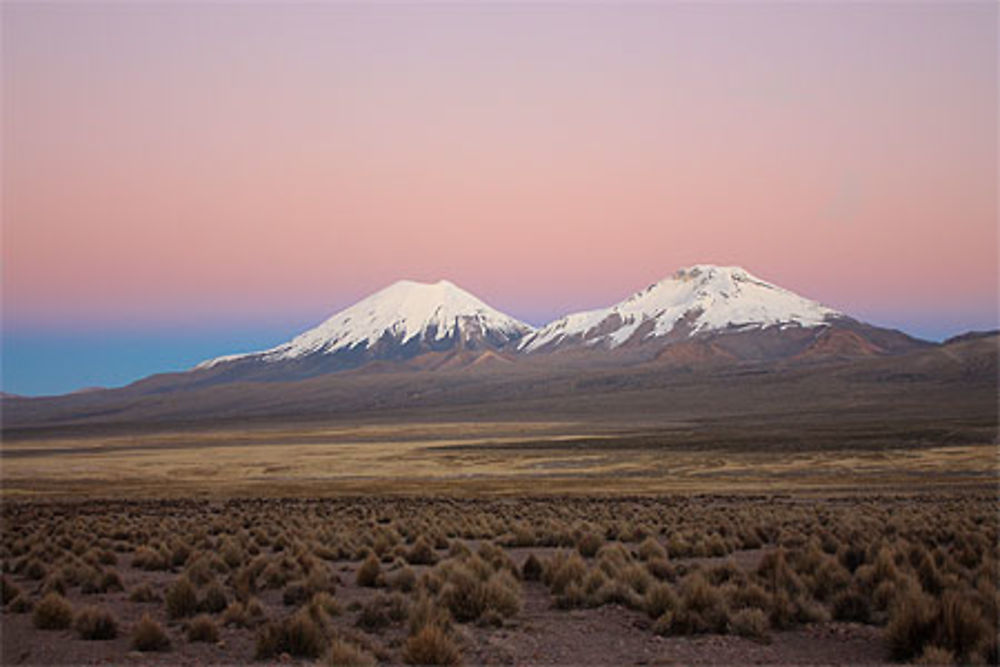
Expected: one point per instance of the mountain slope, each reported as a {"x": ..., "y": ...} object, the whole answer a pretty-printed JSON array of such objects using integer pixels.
[
  {"x": 397, "y": 323},
  {"x": 696, "y": 300}
]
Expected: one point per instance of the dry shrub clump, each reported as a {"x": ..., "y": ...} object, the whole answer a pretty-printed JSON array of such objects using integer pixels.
[
  {"x": 953, "y": 624},
  {"x": 925, "y": 567},
  {"x": 370, "y": 572},
  {"x": 751, "y": 623},
  {"x": 299, "y": 636},
  {"x": 431, "y": 646},
  {"x": 343, "y": 653},
  {"x": 53, "y": 612},
  {"x": 181, "y": 599},
  {"x": 474, "y": 591},
  {"x": 96, "y": 624},
  {"x": 202, "y": 629},
  {"x": 148, "y": 635}
]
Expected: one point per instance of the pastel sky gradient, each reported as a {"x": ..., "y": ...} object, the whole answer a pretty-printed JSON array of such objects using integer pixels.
[{"x": 211, "y": 177}]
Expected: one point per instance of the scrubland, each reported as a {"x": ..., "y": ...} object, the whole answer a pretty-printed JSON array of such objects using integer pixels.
[{"x": 554, "y": 580}]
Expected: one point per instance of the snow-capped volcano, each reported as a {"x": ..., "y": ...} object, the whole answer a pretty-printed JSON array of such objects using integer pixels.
[
  {"x": 698, "y": 299},
  {"x": 398, "y": 322}
]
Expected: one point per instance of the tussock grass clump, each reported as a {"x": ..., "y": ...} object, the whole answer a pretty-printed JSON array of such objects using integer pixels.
[
  {"x": 751, "y": 623},
  {"x": 660, "y": 599},
  {"x": 236, "y": 616},
  {"x": 650, "y": 549},
  {"x": 145, "y": 558},
  {"x": 562, "y": 570},
  {"x": 402, "y": 579},
  {"x": 299, "y": 636},
  {"x": 370, "y": 572},
  {"x": 143, "y": 593},
  {"x": 702, "y": 608},
  {"x": 322, "y": 606},
  {"x": 343, "y": 653},
  {"x": 589, "y": 544},
  {"x": 471, "y": 595},
  {"x": 425, "y": 611},
  {"x": 421, "y": 553},
  {"x": 382, "y": 611},
  {"x": 935, "y": 655},
  {"x": 53, "y": 612},
  {"x": 431, "y": 646},
  {"x": 912, "y": 625},
  {"x": 202, "y": 629},
  {"x": 852, "y": 605},
  {"x": 661, "y": 569},
  {"x": 214, "y": 600},
  {"x": 181, "y": 599},
  {"x": 148, "y": 635},
  {"x": 532, "y": 569},
  {"x": 96, "y": 624}
]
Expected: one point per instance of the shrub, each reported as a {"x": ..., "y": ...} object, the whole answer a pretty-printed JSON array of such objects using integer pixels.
[
  {"x": 660, "y": 599},
  {"x": 143, "y": 593},
  {"x": 961, "y": 627},
  {"x": 651, "y": 548},
  {"x": 381, "y": 611},
  {"x": 369, "y": 572},
  {"x": 431, "y": 646},
  {"x": 214, "y": 601},
  {"x": 145, "y": 558},
  {"x": 322, "y": 605},
  {"x": 299, "y": 636},
  {"x": 148, "y": 635},
  {"x": 532, "y": 569},
  {"x": 347, "y": 654},
  {"x": 463, "y": 594},
  {"x": 295, "y": 594},
  {"x": 54, "y": 612},
  {"x": 935, "y": 655},
  {"x": 425, "y": 611},
  {"x": 562, "y": 570},
  {"x": 703, "y": 609},
  {"x": 404, "y": 579},
  {"x": 911, "y": 625},
  {"x": 588, "y": 544},
  {"x": 750, "y": 623},
  {"x": 661, "y": 569},
  {"x": 851, "y": 605},
  {"x": 181, "y": 599},
  {"x": 469, "y": 598},
  {"x": 110, "y": 581},
  {"x": 202, "y": 629},
  {"x": 236, "y": 615},
  {"x": 503, "y": 594},
  {"x": 95, "y": 623},
  {"x": 421, "y": 553}
]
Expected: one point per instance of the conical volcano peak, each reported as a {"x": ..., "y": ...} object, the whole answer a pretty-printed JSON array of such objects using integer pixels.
[
  {"x": 405, "y": 317},
  {"x": 700, "y": 298}
]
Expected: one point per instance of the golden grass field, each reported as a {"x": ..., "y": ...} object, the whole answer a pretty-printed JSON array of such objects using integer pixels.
[{"x": 462, "y": 458}]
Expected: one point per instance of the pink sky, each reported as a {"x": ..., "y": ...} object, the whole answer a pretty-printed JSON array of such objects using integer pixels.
[{"x": 171, "y": 165}]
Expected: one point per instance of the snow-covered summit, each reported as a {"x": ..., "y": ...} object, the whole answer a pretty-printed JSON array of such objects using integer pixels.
[
  {"x": 701, "y": 297},
  {"x": 404, "y": 313}
]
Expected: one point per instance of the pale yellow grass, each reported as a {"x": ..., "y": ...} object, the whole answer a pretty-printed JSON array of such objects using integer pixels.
[{"x": 455, "y": 457}]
